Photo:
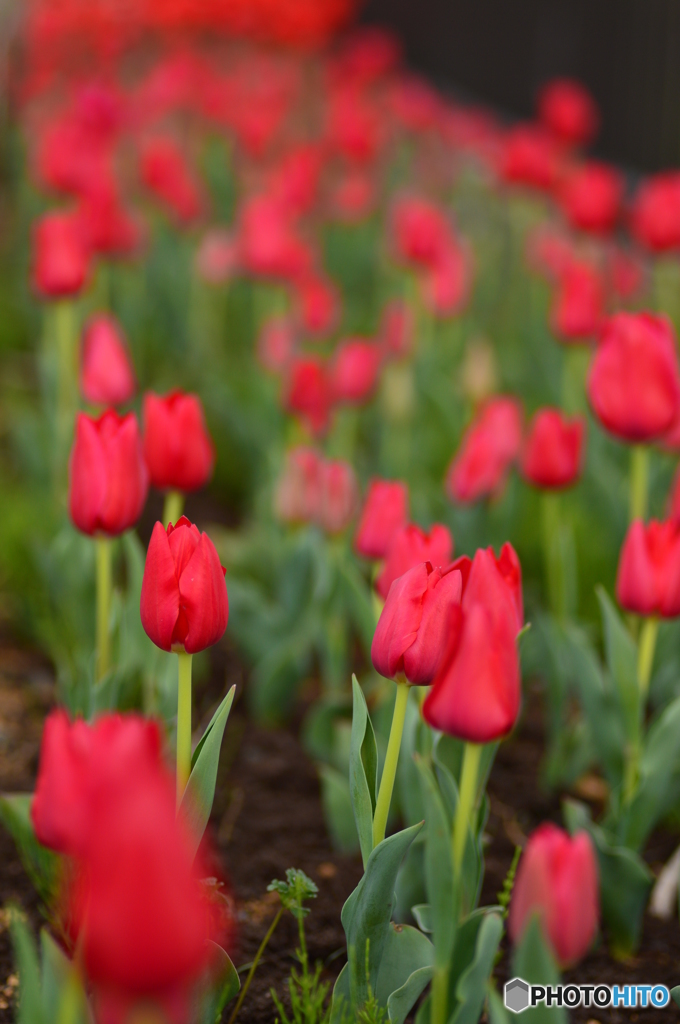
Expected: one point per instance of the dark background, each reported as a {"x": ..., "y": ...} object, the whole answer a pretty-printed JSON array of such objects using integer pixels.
[{"x": 499, "y": 51}]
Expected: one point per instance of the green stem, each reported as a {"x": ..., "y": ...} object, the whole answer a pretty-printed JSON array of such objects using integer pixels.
[
  {"x": 65, "y": 329},
  {"x": 551, "y": 524},
  {"x": 183, "y": 722},
  {"x": 466, "y": 803},
  {"x": 574, "y": 368},
  {"x": 382, "y": 807},
  {"x": 253, "y": 967},
  {"x": 639, "y": 474},
  {"x": 71, "y": 999},
  {"x": 103, "y": 549},
  {"x": 440, "y": 995},
  {"x": 646, "y": 647},
  {"x": 173, "y": 507}
]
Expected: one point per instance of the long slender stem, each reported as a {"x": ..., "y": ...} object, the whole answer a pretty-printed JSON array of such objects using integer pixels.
[
  {"x": 440, "y": 995},
  {"x": 183, "y": 722},
  {"x": 382, "y": 807},
  {"x": 65, "y": 330},
  {"x": 253, "y": 967},
  {"x": 550, "y": 516},
  {"x": 103, "y": 548},
  {"x": 639, "y": 474},
  {"x": 173, "y": 507},
  {"x": 646, "y": 647},
  {"x": 466, "y": 802}
]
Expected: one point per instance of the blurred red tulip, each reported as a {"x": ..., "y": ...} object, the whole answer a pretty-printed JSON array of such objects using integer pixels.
[
  {"x": 549, "y": 251},
  {"x": 648, "y": 579},
  {"x": 276, "y": 345},
  {"x": 367, "y": 54},
  {"x": 489, "y": 447},
  {"x": 108, "y": 479},
  {"x": 567, "y": 109},
  {"x": 409, "y": 547},
  {"x": 355, "y": 129},
  {"x": 625, "y": 273},
  {"x": 353, "y": 197},
  {"x": 413, "y": 626},
  {"x": 578, "y": 303},
  {"x": 165, "y": 172},
  {"x": 354, "y": 370},
  {"x": 553, "y": 449},
  {"x": 655, "y": 214},
  {"x": 178, "y": 449},
  {"x": 319, "y": 303},
  {"x": 530, "y": 157},
  {"x": 106, "y": 373},
  {"x": 295, "y": 182},
  {"x": 634, "y": 379},
  {"x": 297, "y": 498},
  {"x": 308, "y": 393},
  {"x": 110, "y": 229},
  {"x": 184, "y": 602},
  {"x": 338, "y": 496},
  {"x": 558, "y": 880},
  {"x": 416, "y": 105},
  {"x": 421, "y": 232},
  {"x": 61, "y": 257},
  {"x": 268, "y": 242},
  {"x": 217, "y": 256},
  {"x": 591, "y": 197},
  {"x": 384, "y": 513},
  {"x": 397, "y": 329},
  {"x": 446, "y": 284}
]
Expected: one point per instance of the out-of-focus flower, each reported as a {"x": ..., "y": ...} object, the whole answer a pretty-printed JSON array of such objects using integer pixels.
[
  {"x": 384, "y": 513},
  {"x": 308, "y": 393},
  {"x": 421, "y": 233},
  {"x": 319, "y": 304},
  {"x": 625, "y": 273},
  {"x": 353, "y": 196},
  {"x": 109, "y": 228},
  {"x": 530, "y": 157},
  {"x": 276, "y": 344},
  {"x": 567, "y": 109},
  {"x": 106, "y": 373},
  {"x": 166, "y": 173},
  {"x": 488, "y": 449},
  {"x": 648, "y": 579},
  {"x": 412, "y": 631},
  {"x": 268, "y": 242},
  {"x": 655, "y": 214},
  {"x": 578, "y": 303},
  {"x": 177, "y": 446},
  {"x": 549, "y": 251},
  {"x": 397, "y": 329},
  {"x": 591, "y": 197},
  {"x": 338, "y": 496},
  {"x": 184, "y": 602},
  {"x": 297, "y": 498},
  {"x": 409, "y": 547},
  {"x": 355, "y": 129},
  {"x": 354, "y": 370},
  {"x": 558, "y": 880},
  {"x": 295, "y": 182},
  {"x": 634, "y": 380},
  {"x": 446, "y": 284},
  {"x": 108, "y": 478},
  {"x": 553, "y": 449},
  {"x": 61, "y": 257},
  {"x": 416, "y": 105},
  {"x": 217, "y": 256},
  {"x": 367, "y": 54}
]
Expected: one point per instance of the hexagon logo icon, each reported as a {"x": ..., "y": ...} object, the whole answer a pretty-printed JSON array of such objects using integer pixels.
[{"x": 516, "y": 995}]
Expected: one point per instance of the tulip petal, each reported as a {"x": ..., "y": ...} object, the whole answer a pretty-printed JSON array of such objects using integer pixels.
[
  {"x": 160, "y": 600},
  {"x": 87, "y": 476},
  {"x": 203, "y": 596}
]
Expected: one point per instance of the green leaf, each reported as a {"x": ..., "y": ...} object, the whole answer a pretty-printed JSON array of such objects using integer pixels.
[
  {"x": 621, "y": 654},
  {"x": 439, "y": 878},
  {"x": 472, "y": 986},
  {"x": 408, "y": 954},
  {"x": 30, "y": 986},
  {"x": 41, "y": 864},
  {"x": 198, "y": 797},
  {"x": 363, "y": 770},
  {"x": 337, "y": 808},
  {"x": 227, "y": 983},
  {"x": 56, "y": 971},
  {"x": 533, "y": 961},
  {"x": 654, "y": 795},
  {"x": 341, "y": 1001},
  {"x": 675, "y": 993},
  {"x": 423, "y": 916},
  {"x": 497, "y": 1011}
]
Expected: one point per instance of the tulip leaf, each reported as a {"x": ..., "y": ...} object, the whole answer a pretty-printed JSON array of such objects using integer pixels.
[
  {"x": 533, "y": 961},
  {"x": 31, "y": 1009},
  {"x": 341, "y": 1002},
  {"x": 422, "y": 912},
  {"x": 198, "y": 797},
  {"x": 224, "y": 985},
  {"x": 41, "y": 864},
  {"x": 654, "y": 795},
  {"x": 56, "y": 970},
  {"x": 337, "y": 806},
  {"x": 472, "y": 984},
  {"x": 408, "y": 954},
  {"x": 439, "y": 879},
  {"x": 622, "y": 663},
  {"x": 363, "y": 770},
  {"x": 496, "y": 1008}
]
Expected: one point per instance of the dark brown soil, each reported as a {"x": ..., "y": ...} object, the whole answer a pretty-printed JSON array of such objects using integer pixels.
[{"x": 268, "y": 817}]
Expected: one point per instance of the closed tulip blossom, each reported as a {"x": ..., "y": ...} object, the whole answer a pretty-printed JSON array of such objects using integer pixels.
[
  {"x": 177, "y": 446},
  {"x": 648, "y": 579},
  {"x": 354, "y": 370},
  {"x": 655, "y": 213},
  {"x": 530, "y": 157},
  {"x": 308, "y": 393},
  {"x": 568, "y": 111},
  {"x": 557, "y": 880},
  {"x": 591, "y": 197},
  {"x": 61, "y": 258},
  {"x": 384, "y": 513},
  {"x": 421, "y": 232},
  {"x": 634, "y": 380},
  {"x": 578, "y": 303},
  {"x": 165, "y": 172},
  {"x": 338, "y": 496},
  {"x": 489, "y": 447},
  {"x": 319, "y": 305},
  {"x": 553, "y": 449},
  {"x": 106, "y": 373},
  {"x": 410, "y": 546}
]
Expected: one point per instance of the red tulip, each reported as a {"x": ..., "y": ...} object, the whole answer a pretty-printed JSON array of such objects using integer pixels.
[
  {"x": 110, "y": 229},
  {"x": 338, "y": 496},
  {"x": 625, "y": 273},
  {"x": 319, "y": 304},
  {"x": 355, "y": 128},
  {"x": 268, "y": 241},
  {"x": 634, "y": 380},
  {"x": 421, "y": 232},
  {"x": 353, "y": 197},
  {"x": 367, "y": 54},
  {"x": 486, "y": 577},
  {"x": 166, "y": 173},
  {"x": 308, "y": 393},
  {"x": 177, "y": 446},
  {"x": 298, "y": 492},
  {"x": 648, "y": 579},
  {"x": 558, "y": 880},
  {"x": 446, "y": 284},
  {"x": 591, "y": 197},
  {"x": 276, "y": 345},
  {"x": 553, "y": 449},
  {"x": 385, "y": 512},
  {"x": 217, "y": 256},
  {"x": 354, "y": 370},
  {"x": 530, "y": 157},
  {"x": 106, "y": 373},
  {"x": 397, "y": 329},
  {"x": 413, "y": 627},
  {"x": 184, "y": 602},
  {"x": 655, "y": 216},
  {"x": 568, "y": 110},
  {"x": 410, "y": 546},
  {"x": 108, "y": 479},
  {"x": 61, "y": 259},
  {"x": 416, "y": 105},
  {"x": 489, "y": 447},
  {"x": 578, "y": 303}
]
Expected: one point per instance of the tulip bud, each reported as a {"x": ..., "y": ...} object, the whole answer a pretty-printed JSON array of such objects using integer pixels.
[
  {"x": 60, "y": 256},
  {"x": 634, "y": 380},
  {"x": 488, "y": 449},
  {"x": 353, "y": 197},
  {"x": 308, "y": 393},
  {"x": 410, "y": 546},
  {"x": 591, "y": 197},
  {"x": 655, "y": 216},
  {"x": 421, "y": 232},
  {"x": 530, "y": 157},
  {"x": 184, "y": 602},
  {"x": 177, "y": 446},
  {"x": 385, "y": 512},
  {"x": 648, "y": 578},
  {"x": 495, "y": 580},
  {"x": 268, "y": 242},
  {"x": 558, "y": 880},
  {"x": 354, "y": 371},
  {"x": 110, "y": 229},
  {"x": 397, "y": 329},
  {"x": 106, "y": 373},
  {"x": 108, "y": 479},
  {"x": 319, "y": 305},
  {"x": 549, "y": 251},
  {"x": 446, "y": 284},
  {"x": 413, "y": 627},
  {"x": 166, "y": 173},
  {"x": 578, "y": 303},
  {"x": 553, "y": 449},
  {"x": 568, "y": 110},
  {"x": 338, "y": 496},
  {"x": 298, "y": 492}
]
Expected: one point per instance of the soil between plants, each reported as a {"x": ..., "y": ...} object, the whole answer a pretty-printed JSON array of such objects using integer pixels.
[{"x": 268, "y": 817}]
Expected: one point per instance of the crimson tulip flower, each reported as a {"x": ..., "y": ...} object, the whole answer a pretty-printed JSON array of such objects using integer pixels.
[
  {"x": 297, "y": 498},
  {"x": 655, "y": 214},
  {"x": 578, "y": 303},
  {"x": 410, "y": 546},
  {"x": 634, "y": 379},
  {"x": 397, "y": 329},
  {"x": 106, "y": 373},
  {"x": 269, "y": 244},
  {"x": 591, "y": 197},
  {"x": 108, "y": 478},
  {"x": 648, "y": 579},
  {"x": 530, "y": 157},
  {"x": 384, "y": 513},
  {"x": 446, "y": 284},
  {"x": 184, "y": 603},
  {"x": 165, "y": 172},
  {"x": 338, "y": 496},
  {"x": 421, "y": 232},
  {"x": 110, "y": 229},
  {"x": 276, "y": 345},
  {"x": 177, "y": 446},
  {"x": 61, "y": 258},
  {"x": 413, "y": 627},
  {"x": 568, "y": 111},
  {"x": 354, "y": 370},
  {"x": 319, "y": 305},
  {"x": 553, "y": 449},
  {"x": 549, "y": 251},
  {"x": 489, "y": 447},
  {"x": 558, "y": 880},
  {"x": 308, "y": 393}
]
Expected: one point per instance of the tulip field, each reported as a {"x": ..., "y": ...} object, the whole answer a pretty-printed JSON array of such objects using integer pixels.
[{"x": 339, "y": 534}]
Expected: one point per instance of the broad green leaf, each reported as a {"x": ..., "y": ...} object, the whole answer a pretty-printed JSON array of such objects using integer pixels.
[
  {"x": 337, "y": 807},
  {"x": 363, "y": 770},
  {"x": 56, "y": 970},
  {"x": 423, "y": 916},
  {"x": 341, "y": 1002},
  {"x": 41, "y": 864},
  {"x": 472, "y": 986},
  {"x": 225, "y": 985},
  {"x": 622, "y": 663},
  {"x": 198, "y": 797},
  {"x": 533, "y": 961},
  {"x": 439, "y": 878},
  {"x": 659, "y": 763},
  {"x": 405, "y": 970},
  {"x": 30, "y": 987},
  {"x": 497, "y": 1011}
]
